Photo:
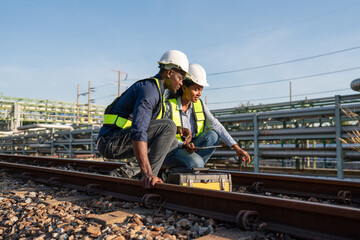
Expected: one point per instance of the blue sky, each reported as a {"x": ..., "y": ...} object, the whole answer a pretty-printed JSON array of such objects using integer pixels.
[{"x": 48, "y": 47}]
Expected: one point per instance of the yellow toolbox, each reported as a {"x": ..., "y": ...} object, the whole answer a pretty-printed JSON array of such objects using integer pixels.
[{"x": 213, "y": 181}]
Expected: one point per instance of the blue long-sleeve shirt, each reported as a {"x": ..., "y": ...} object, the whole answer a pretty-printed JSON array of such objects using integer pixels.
[{"x": 141, "y": 103}]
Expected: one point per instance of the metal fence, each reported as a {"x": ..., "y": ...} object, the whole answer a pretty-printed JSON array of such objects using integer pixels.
[{"x": 299, "y": 133}]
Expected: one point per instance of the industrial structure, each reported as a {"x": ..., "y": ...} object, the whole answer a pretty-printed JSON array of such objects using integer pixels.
[
  {"x": 16, "y": 112},
  {"x": 306, "y": 132}
]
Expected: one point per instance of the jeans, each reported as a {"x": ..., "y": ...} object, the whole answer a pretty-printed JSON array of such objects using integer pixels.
[
  {"x": 119, "y": 146},
  {"x": 181, "y": 160}
]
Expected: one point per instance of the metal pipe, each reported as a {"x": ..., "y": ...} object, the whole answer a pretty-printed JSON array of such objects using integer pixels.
[
  {"x": 256, "y": 145},
  {"x": 339, "y": 157},
  {"x": 42, "y": 125},
  {"x": 70, "y": 144},
  {"x": 291, "y": 153},
  {"x": 317, "y": 102},
  {"x": 294, "y": 131},
  {"x": 302, "y": 112},
  {"x": 89, "y": 102}
]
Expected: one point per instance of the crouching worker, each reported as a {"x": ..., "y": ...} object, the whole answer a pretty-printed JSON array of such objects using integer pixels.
[
  {"x": 187, "y": 110},
  {"x": 134, "y": 125}
]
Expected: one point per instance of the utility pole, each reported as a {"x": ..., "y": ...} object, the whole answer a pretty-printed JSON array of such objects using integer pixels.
[
  {"x": 77, "y": 105},
  {"x": 119, "y": 80},
  {"x": 89, "y": 101}
]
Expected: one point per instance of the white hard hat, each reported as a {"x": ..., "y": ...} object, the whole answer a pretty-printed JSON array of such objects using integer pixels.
[
  {"x": 175, "y": 58},
  {"x": 198, "y": 74}
]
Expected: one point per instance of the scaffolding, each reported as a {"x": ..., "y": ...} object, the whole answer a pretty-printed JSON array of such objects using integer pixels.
[
  {"x": 16, "y": 112},
  {"x": 51, "y": 140}
]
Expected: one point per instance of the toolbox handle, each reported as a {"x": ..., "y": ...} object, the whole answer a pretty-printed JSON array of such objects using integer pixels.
[
  {"x": 204, "y": 181},
  {"x": 197, "y": 170}
]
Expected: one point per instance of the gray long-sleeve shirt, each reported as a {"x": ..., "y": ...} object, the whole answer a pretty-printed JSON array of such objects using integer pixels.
[{"x": 188, "y": 121}]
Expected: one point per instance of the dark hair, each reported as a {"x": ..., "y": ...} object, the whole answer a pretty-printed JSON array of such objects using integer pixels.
[
  {"x": 162, "y": 71},
  {"x": 186, "y": 83}
]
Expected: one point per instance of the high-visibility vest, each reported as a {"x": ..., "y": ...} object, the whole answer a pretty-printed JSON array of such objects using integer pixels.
[
  {"x": 198, "y": 113},
  {"x": 115, "y": 120}
]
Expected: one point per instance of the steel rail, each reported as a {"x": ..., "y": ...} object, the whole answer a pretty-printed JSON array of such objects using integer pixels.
[
  {"x": 311, "y": 172},
  {"x": 342, "y": 190},
  {"x": 85, "y": 165},
  {"x": 297, "y": 218},
  {"x": 299, "y": 186}
]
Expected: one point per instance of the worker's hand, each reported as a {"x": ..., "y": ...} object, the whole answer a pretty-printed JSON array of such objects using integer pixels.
[
  {"x": 190, "y": 147},
  {"x": 149, "y": 180},
  {"x": 185, "y": 134},
  {"x": 243, "y": 155}
]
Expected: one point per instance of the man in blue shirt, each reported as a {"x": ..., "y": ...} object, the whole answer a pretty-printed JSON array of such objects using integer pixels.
[{"x": 134, "y": 124}]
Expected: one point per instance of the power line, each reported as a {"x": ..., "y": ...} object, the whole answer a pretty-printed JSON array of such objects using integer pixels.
[
  {"x": 270, "y": 98},
  {"x": 104, "y": 85},
  {"x": 285, "y": 62},
  {"x": 108, "y": 96},
  {"x": 272, "y": 64},
  {"x": 286, "y": 79},
  {"x": 274, "y": 28}
]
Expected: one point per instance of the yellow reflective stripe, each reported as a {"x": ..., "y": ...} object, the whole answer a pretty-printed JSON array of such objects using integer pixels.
[
  {"x": 110, "y": 118},
  {"x": 163, "y": 106},
  {"x": 175, "y": 115},
  {"x": 116, "y": 120},
  {"x": 123, "y": 122},
  {"x": 200, "y": 117},
  {"x": 199, "y": 111},
  {"x": 162, "y": 103}
]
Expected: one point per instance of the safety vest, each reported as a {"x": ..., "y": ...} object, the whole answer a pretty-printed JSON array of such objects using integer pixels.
[
  {"x": 115, "y": 120},
  {"x": 198, "y": 112}
]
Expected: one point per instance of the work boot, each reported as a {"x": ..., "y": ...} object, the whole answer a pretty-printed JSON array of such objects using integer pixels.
[
  {"x": 118, "y": 173},
  {"x": 129, "y": 170},
  {"x": 165, "y": 174}
]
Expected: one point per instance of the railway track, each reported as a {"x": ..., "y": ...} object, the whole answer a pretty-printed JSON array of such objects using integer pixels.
[
  {"x": 345, "y": 192},
  {"x": 300, "y": 219},
  {"x": 341, "y": 192}
]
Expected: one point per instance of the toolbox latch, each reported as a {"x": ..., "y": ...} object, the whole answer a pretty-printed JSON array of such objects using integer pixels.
[
  {"x": 222, "y": 184},
  {"x": 190, "y": 182}
]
